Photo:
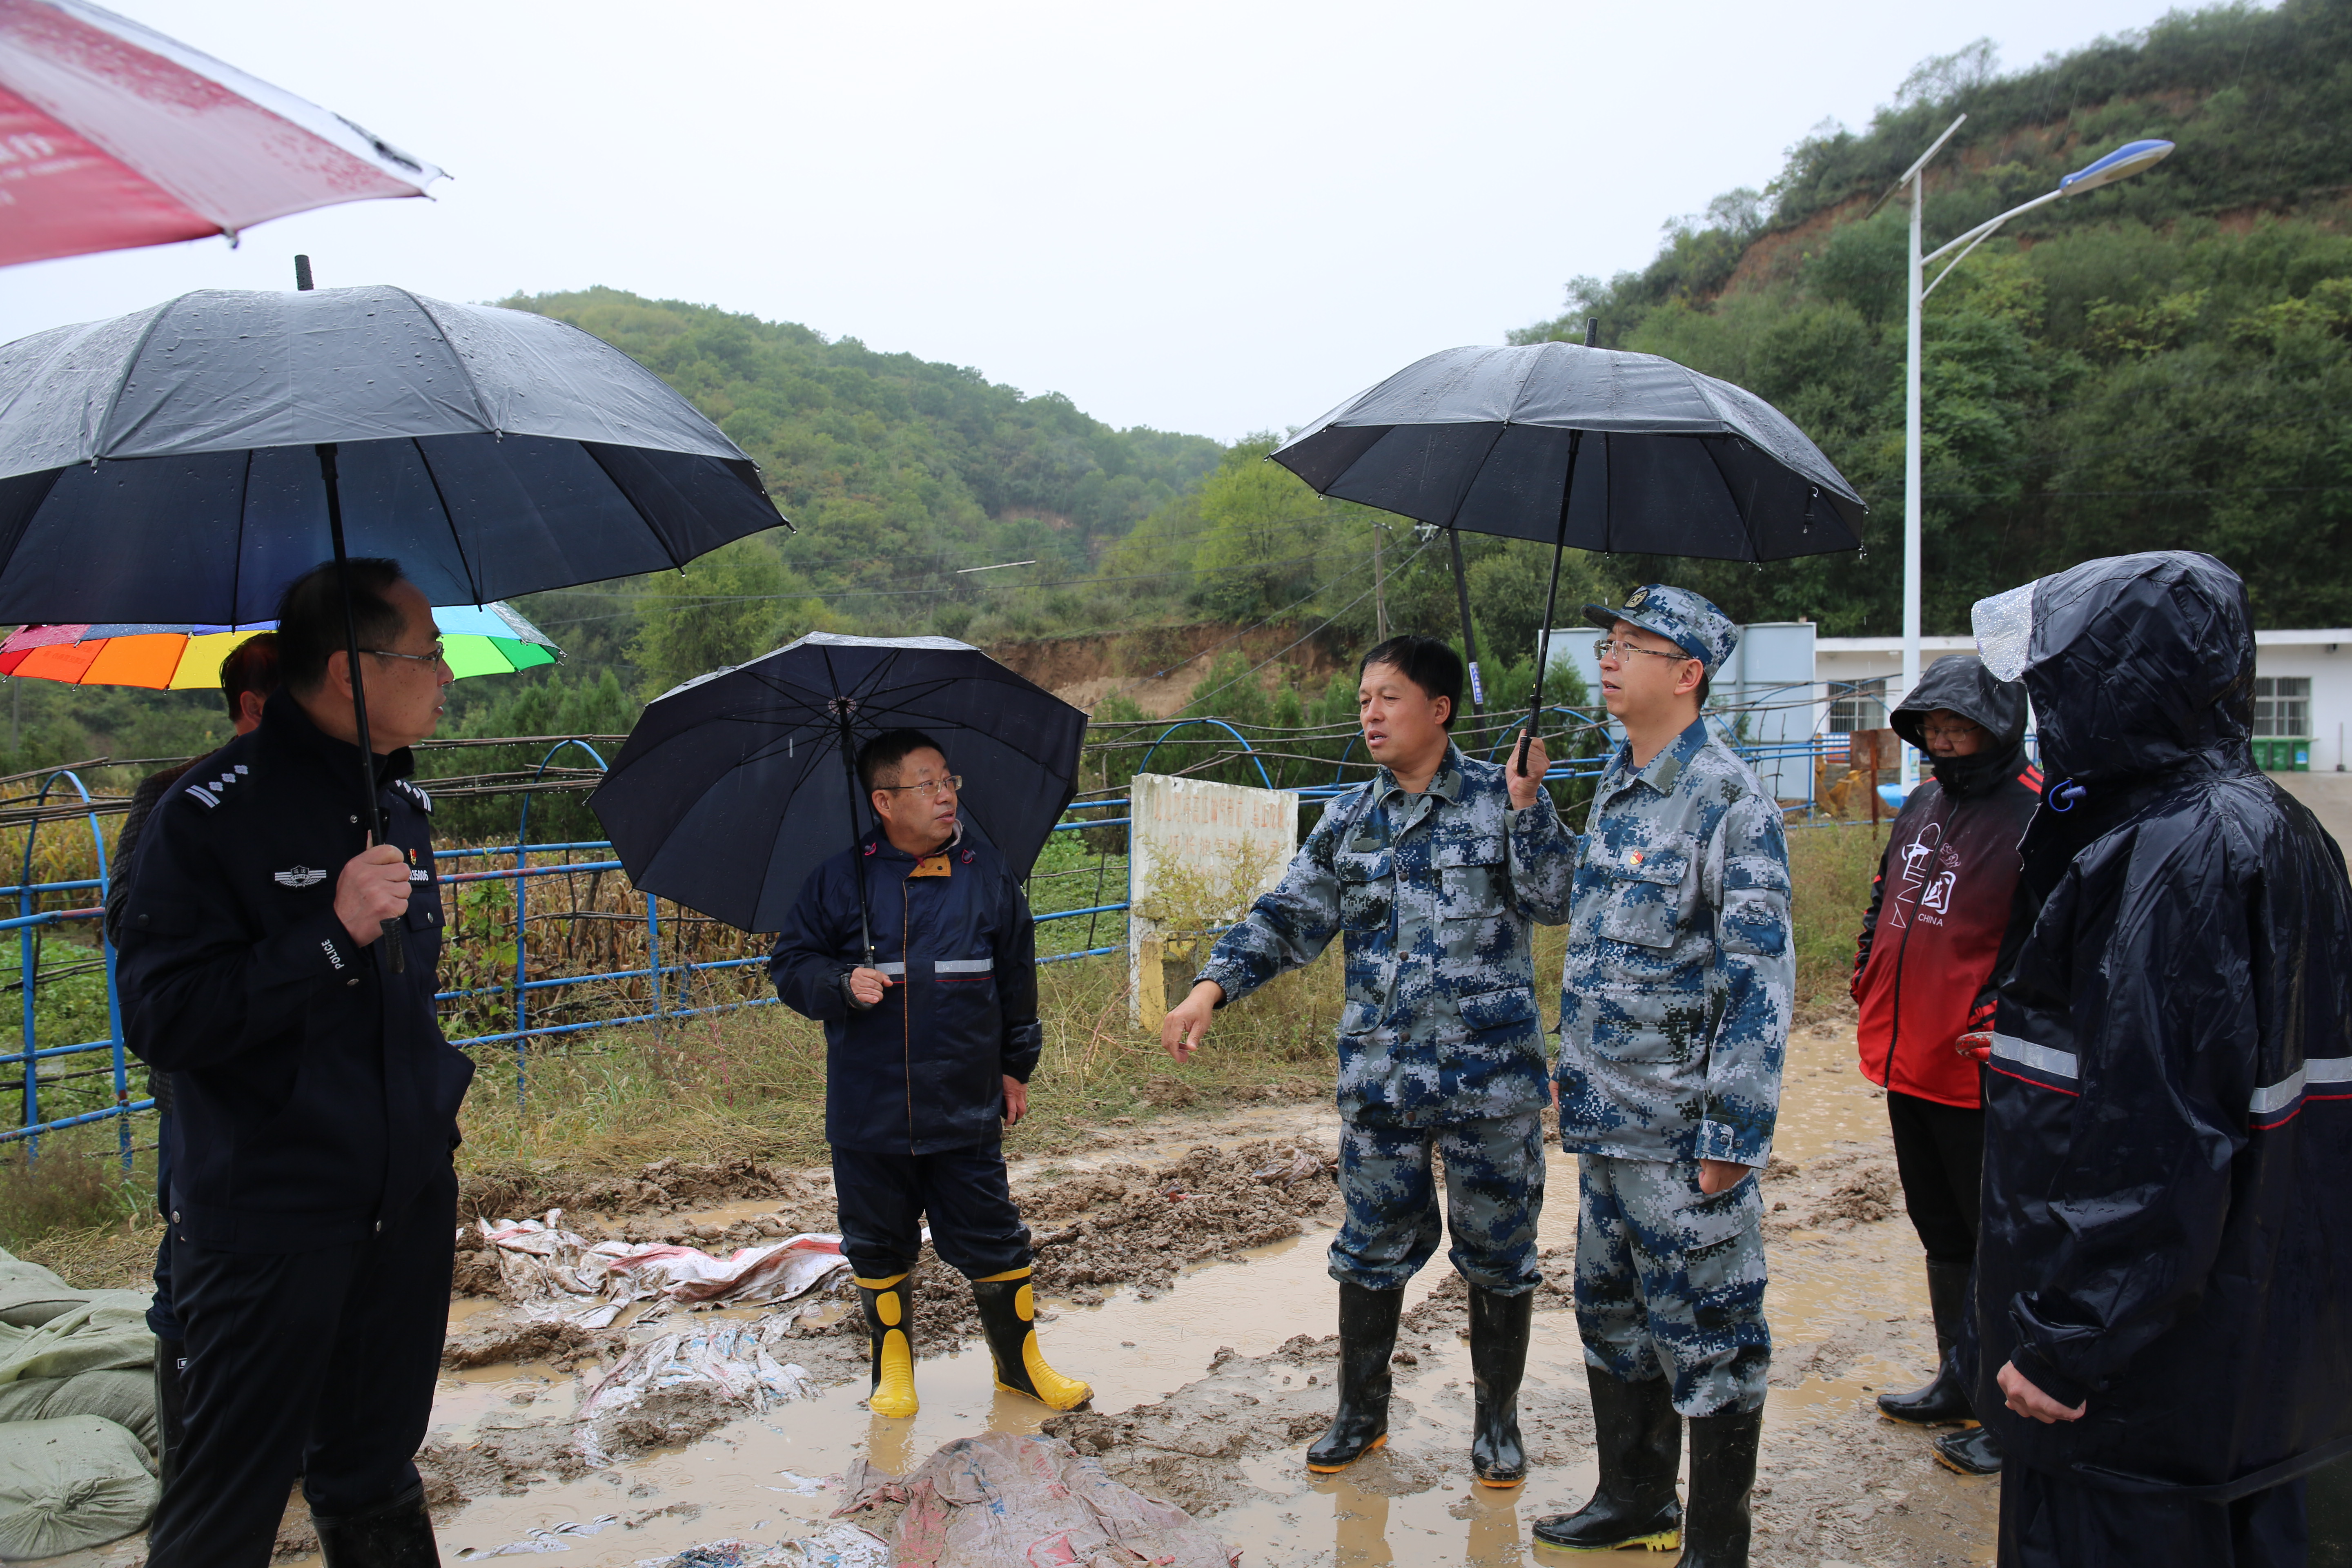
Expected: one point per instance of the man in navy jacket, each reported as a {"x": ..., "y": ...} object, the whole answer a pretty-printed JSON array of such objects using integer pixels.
[{"x": 917, "y": 952}]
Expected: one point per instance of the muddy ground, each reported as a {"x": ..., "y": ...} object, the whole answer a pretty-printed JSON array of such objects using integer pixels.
[{"x": 1180, "y": 1267}]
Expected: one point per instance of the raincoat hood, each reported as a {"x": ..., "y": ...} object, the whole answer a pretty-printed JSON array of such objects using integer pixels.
[
  {"x": 2136, "y": 665},
  {"x": 1962, "y": 685}
]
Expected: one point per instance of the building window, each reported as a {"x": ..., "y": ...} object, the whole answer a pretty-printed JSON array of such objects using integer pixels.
[
  {"x": 1860, "y": 705},
  {"x": 2282, "y": 706}
]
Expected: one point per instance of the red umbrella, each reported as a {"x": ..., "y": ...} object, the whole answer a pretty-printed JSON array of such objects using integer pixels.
[{"x": 112, "y": 135}]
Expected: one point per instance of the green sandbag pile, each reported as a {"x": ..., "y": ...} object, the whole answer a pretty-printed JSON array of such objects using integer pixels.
[{"x": 77, "y": 1414}]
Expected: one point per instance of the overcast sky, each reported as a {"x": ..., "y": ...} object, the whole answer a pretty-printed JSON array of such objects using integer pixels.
[{"x": 1209, "y": 216}]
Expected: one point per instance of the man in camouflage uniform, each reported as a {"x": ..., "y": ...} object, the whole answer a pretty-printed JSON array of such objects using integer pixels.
[
  {"x": 1674, "y": 1015},
  {"x": 1431, "y": 875}
]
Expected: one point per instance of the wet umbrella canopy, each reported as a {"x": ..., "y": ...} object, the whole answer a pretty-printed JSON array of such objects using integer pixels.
[
  {"x": 733, "y": 788},
  {"x": 1494, "y": 440},
  {"x": 163, "y": 466}
]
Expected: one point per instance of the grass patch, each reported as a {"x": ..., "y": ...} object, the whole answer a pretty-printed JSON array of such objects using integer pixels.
[
  {"x": 1829, "y": 868},
  {"x": 752, "y": 1084},
  {"x": 74, "y": 1210}
]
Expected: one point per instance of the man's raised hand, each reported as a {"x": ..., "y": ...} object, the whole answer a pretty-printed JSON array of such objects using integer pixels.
[
  {"x": 1187, "y": 1023},
  {"x": 1525, "y": 787},
  {"x": 371, "y": 889}
]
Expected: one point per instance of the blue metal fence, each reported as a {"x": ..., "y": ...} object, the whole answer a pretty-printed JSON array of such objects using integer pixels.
[{"x": 665, "y": 983}]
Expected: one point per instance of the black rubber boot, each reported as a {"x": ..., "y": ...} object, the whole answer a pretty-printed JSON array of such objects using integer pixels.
[
  {"x": 171, "y": 1408},
  {"x": 1008, "y": 1315},
  {"x": 1975, "y": 1452},
  {"x": 1944, "y": 1400},
  {"x": 396, "y": 1535},
  {"x": 1638, "y": 1443},
  {"x": 1498, "y": 1358},
  {"x": 1368, "y": 1332},
  {"x": 1722, "y": 1474}
]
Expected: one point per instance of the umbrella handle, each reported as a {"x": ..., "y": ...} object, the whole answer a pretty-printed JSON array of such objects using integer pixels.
[
  {"x": 395, "y": 942},
  {"x": 1551, "y": 599}
]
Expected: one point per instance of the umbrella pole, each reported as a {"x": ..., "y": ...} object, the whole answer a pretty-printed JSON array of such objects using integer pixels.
[
  {"x": 1469, "y": 637},
  {"x": 1552, "y": 598},
  {"x": 856, "y": 870},
  {"x": 371, "y": 820}
]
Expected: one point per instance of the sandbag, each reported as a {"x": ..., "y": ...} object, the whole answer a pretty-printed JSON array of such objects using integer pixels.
[
  {"x": 127, "y": 1398},
  {"x": 77, "y": 1482},
  {"x": 31, "y": 1294},
  {"x": 108, "y": 1328}
]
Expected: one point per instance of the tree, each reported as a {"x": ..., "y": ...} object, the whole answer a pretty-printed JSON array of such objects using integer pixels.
[{"x": 730, "y": 605}]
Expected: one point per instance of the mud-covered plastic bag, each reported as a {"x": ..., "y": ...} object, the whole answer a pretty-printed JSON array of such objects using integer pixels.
[
  {"x": 76, "y": 1481},
  {"x": 1002, "y": 1497}
]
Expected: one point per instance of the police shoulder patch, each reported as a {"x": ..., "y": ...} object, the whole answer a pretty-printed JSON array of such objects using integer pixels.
[{"x": 417, "y": 797}]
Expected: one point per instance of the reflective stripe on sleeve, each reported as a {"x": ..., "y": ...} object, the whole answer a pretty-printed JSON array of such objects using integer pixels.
[
  {"x": 2040, "y": 1059},
  {"x": 963, "y": 965}
]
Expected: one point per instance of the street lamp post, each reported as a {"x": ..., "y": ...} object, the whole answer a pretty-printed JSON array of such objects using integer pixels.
[{"x": 2124, "y": 160}]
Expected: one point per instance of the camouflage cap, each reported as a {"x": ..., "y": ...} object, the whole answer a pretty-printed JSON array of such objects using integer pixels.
[{"x": 1684, "y": 619}]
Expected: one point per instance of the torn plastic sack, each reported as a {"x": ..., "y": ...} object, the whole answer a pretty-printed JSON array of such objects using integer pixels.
[
  {"x": 555, "y": 1537},
  {"x": 69, "y": 1483},
  {"x": 1001, "y": 1497},
  {"x": 727, "y": 1361},
  {"x": 542, "y": 1264},
  {"x": 834, "y": 1546}
]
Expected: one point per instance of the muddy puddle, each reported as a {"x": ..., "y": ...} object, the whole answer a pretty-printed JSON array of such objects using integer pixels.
[{"x": 1209, "y": 1384}]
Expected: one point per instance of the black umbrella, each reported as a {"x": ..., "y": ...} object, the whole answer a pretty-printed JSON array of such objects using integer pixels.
[
  {"x": 736, "y": 785},
  {"x": 1492, "y": 440},
  {"x": 185, "y": 462}
]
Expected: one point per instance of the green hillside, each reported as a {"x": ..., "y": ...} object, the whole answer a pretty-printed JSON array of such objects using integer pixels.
[
  {"x": 2159, "y": 365},
  {"x": 897, "y": 471}
]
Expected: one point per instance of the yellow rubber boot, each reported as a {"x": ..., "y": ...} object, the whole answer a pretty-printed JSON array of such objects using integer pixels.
[
  {"x": 1008, "y": 1312},
  {"x": 890, "y": 1325}
]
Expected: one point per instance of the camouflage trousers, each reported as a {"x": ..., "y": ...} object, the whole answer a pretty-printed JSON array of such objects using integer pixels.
[
  {"x": 1670, "y": 1282},
  {"x": 1493, "y": 1194}
]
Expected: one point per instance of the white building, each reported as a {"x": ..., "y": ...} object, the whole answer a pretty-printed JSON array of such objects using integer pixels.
[{"x": 2302, "y": 688}]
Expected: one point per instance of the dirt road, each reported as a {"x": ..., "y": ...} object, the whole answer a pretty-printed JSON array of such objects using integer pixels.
[{"x": 1182, "y": 1266}]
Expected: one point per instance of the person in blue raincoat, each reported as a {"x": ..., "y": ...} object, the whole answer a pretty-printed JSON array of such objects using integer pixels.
[
  {"x": 2164, "y": 1270},
  {"x": 930, "y": 1036}
]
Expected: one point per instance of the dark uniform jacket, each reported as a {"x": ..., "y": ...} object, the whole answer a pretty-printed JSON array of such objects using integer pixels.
[
  {"x": 144, "y": 800},
  {"x": 1925, "y": 966},
  {"x": 924, "y": 1069},
  {"x": 2168, "y": 1217},
  {"x": 315, "y": 1092}
]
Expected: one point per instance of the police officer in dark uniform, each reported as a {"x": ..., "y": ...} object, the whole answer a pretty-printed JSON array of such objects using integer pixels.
[{"x": 313, "y": 1203}]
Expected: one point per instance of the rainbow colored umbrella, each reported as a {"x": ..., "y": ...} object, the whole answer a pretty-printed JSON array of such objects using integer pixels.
[{"x": 479, "y": 640}]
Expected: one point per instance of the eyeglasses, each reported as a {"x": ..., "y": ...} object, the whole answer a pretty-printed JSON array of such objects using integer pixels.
[
  {"x": 436, "y": 656},
  {"x": 929, "y": 789},
  {"x": 1960, "y": 731},
  {"x": 1617, "y": 648}
]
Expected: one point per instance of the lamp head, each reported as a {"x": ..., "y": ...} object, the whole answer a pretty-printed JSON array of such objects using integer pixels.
[{"x": 2124, "y": 162}]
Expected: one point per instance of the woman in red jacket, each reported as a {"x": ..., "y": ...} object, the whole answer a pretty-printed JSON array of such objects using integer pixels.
[{"x": 1924, "y": 978}]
